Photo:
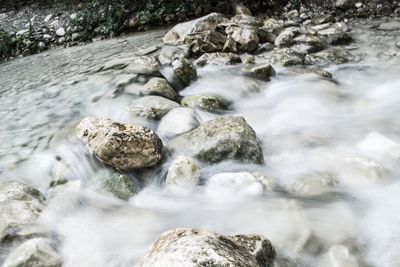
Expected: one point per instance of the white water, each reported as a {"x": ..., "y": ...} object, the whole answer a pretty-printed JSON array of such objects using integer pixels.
[{"x": 348, "y": 129}]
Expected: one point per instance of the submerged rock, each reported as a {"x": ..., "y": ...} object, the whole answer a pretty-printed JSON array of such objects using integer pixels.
[
  {"x": 195, "y": 248},
  {"x": 177, "y": 121},
  {"x": 206, "y": 102},
  {"x": 123, "y": 146},
  {"x": 221, "y": 139},
  {"x": 179, "y": 32},
  {"x": 152, "y": 107},
  {"x": 118, "y": 184},
  {"x": 183, "y": 172},
  {"x": 36, "y": 252},
  {"x": 338, "y": 255},
  {"x": 237, "y": 183},
  {"x": 20, "y": 205}
]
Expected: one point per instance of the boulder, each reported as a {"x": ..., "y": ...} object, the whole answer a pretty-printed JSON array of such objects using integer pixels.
[
  {"x": 245, "y": 37},
  {"x": 183, "y": 172},
  {"x": 285, "y": 38},
  {"x": 207, "y": 102},
  {"x": 36, "y": 252},
  {"x": 220, "y": 139},
  {"x": 194, "y": 248},
  {"x": 184, "y": 72},
  {"x": 152, "y": 107},
  {"x": 313, "y": 42},
  {"x": 329, "y": 56},
  {"x": 263, "y": 71},
  {"x": 178, "y": 34},
  {"x": 206, "y": 42},
  {"x": 177, "y": 121},
  {"x": 390, "y": 26},
  {"x": 170, "y": 53},
  {"x": 123, "y": 146},
  {"x": 159, "y": 87},
  {"x": 218, "y": 58},
  {"x": 20, "y": 205}
]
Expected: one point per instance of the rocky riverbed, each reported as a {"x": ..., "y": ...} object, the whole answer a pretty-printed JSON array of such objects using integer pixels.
[{"x": 222, "y": 141}]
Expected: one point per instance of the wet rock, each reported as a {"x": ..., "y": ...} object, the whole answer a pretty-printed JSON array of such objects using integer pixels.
[
  {"x": 177, "y": 121},
  {"x": 60, "y": 32},
  {"x": 338, "y": 255},
  {"x": 313, "y": 42},
  {"x": 178, "y": 34},
  {"x": 48, "y": 18},
  {"x": 183, "y": 172},
  {"x": 20, "y": 205},
  {"x": 345, "y": 4},
  {"x": 221, "y": 139},
  {"x": 285, "y": 38},
  {"x": 273, "y": 26},
  {"x": 234, "y": 183},
  {"x": 259, "y": 246},
  {"x": 123, "y": 146},
  {"x": 263, "y": 72},
  {"x": 36, "y": 252},
  {"x": 390, "y": 26},
  {"x": 265, "y": 35},
  {"x": 206, "y": 42},
  {"x": 218, "y": 59},
  {"x": 335, "y": 35},
  {"x": 184, "y": 71},
  {"x": 193, "y": 248},
  {"x": 159, "y": 87},
  {"x": 170, "y": 53},
  {"x": 246, "y": 38},
  {"x": 323, "y": 19},
  {"x": 329, "y": 56},
  {"x": 152, "y": 107},
  {"x": 118, "y": 184},
  {"x": 206, "y": 102}
]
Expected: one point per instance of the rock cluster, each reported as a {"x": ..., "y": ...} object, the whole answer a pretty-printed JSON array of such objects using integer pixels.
[
  {"x": 297, "y": 40},
  {"x": 194, "y": 248}
]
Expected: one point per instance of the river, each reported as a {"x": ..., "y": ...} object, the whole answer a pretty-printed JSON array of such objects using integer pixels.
[{"x": 345, "y": 131}]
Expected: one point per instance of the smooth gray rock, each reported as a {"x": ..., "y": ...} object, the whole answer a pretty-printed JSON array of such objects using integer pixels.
[
  {"x": 183, "y": 172},
  {"x": 221, "y": 139},
  {"x": 390, "y": 26},
  {"x": 118, "y": 184},
  {"x": 195, "y": 248},
  {"x": 152, "y": 107},
  {"x": 123, "y": 146},
  {"x": 263, "y": 71},
  {"x": 177, "y": 121},
  {"x": 36, "y": 252},
  {"x": 160, "y": 87},
  {"x": 20, "y": 205}
]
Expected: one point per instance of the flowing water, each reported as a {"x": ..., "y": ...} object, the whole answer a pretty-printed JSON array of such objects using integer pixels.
[{"x": 345, "y": 131}]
